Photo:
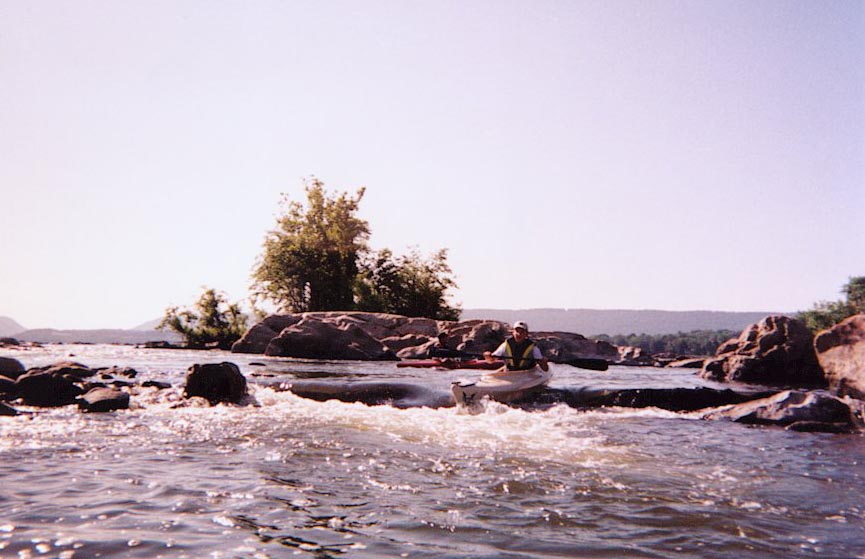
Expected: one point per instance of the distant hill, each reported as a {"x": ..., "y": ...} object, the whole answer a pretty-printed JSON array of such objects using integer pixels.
[
  {"x": 593, "y": 322},
  {"x": 149, "y": 325},
  {"x": 9, "y": 327},
  {"x": 51, "y": 336}
]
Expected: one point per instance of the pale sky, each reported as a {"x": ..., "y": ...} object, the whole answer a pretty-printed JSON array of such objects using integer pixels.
[{"x": 693, "y": 155}]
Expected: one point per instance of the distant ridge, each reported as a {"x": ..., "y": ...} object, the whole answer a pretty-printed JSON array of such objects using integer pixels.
[
  {"x": 51, "y": 336},
  {"x": 593, "y": 322},
  {"x": 9, "y": 327}
]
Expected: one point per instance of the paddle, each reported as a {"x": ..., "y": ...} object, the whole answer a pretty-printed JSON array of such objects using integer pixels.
[{"x": 590, "y": 363}]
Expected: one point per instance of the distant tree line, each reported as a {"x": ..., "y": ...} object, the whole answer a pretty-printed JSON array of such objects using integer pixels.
[{"x": 696, "y": 342}]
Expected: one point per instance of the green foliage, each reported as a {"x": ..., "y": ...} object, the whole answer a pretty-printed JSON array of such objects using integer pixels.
[
  {"x": 408, "y": 285},
  {"x": 318, "y": 260},
  {"x": 310, "y": 260},
  {"x": 696, "y": 342},
  {"x": 826, "y": 314},
  {"x": 211, "y": 321}
]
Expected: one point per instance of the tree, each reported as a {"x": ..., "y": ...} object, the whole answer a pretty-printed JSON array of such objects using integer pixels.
[
  {"x": 409, "y": 285},
  {"x": 211, "y": 321},
  {"x": 826, "y": 314},
  {"x": 310, "y": 262}
]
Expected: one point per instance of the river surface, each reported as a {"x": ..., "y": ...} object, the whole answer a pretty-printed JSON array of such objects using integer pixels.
[{"x": 292, "y": 477}]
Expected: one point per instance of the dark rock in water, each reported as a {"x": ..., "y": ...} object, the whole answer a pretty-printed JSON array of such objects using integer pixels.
[
  {"x": 7, "y": 410},
  {"x": 216, "y": 382},
  {"x": 11, "y": 368},
  {"x": 777, "y": 351},
  {"x": 818, "y": 427},
  {"x": 116, "y": 371},
  {"x": 155, "y": 384},
  {"x": 7, "y": 388},
  {"x": 688, "y": 363},
  {"x": 47, "y": 387},
  {"x": 104, "y": 400},
  {"x": 841, "y": 352},
  {"x": 789, "y": 407}
]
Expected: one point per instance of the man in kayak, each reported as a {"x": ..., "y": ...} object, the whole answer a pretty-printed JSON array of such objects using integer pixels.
[
  {"x": 519, "y": 352},
  {"x": 440, "y": 349}
]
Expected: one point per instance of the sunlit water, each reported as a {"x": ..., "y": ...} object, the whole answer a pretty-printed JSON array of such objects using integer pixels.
[{"x": 289, "y": 477}]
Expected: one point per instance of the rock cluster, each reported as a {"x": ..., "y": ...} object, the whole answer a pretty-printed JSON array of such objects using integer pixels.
[
  {"x": 107, "y": 389},
  {"x": 376, "y": 337},
  {"x": 780, "y": 351}
]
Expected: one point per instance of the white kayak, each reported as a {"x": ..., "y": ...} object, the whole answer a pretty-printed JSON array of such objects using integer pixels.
[{"x": 502, "y": 386}]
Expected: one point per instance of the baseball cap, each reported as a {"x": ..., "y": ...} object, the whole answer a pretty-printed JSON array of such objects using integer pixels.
[{"x": 521, "y": 324}]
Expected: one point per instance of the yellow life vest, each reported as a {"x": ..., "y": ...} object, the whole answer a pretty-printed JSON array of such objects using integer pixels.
[{"x": 518, "y": 357}]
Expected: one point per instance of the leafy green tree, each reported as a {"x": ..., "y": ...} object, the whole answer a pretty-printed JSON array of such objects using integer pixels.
[
  {"x": 410, "y": 285},
  {"x": 310, "y": 261},
  {"x": 826, "y": 314},
  {"x": 211, "y": 321}
]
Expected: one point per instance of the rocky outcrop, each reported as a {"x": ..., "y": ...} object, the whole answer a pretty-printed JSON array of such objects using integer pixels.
[
  {"x": 841, "y": 352},
  {"x": 378, "y": 326},
  {"x": 777, "y": 351},
  {"x": 317, "y": 338},
  {"x": 216, "y": 382},
  {"x": 374, "y": 336},
  {"x": 797, "y": 410}
]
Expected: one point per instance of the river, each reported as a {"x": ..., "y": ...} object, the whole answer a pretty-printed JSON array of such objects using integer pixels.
[{"x": 292, "y": 477}]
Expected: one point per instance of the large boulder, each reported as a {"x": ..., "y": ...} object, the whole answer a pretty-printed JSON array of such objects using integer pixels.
[
  {"x": 57, "y": 385},
  {"x": 216, "y": 382},
  {"x": 316, "y": 338},
  {"x": 841, "y": 352},
  {"x": 379, "y": 326},
  {"x": 256, "y": 339},
  {"x": 777, "y": 351},
  {"x": 11, "y": 367},
  {"x": 797, "y": 410}
]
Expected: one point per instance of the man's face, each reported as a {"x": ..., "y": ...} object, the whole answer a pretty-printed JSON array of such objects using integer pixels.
[{"x": 520, "y": 334}]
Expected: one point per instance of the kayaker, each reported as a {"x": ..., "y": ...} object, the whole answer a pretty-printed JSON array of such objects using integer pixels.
[
  {"x": 519, "y": 352},
  {"x": 440, "y": 349}
]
